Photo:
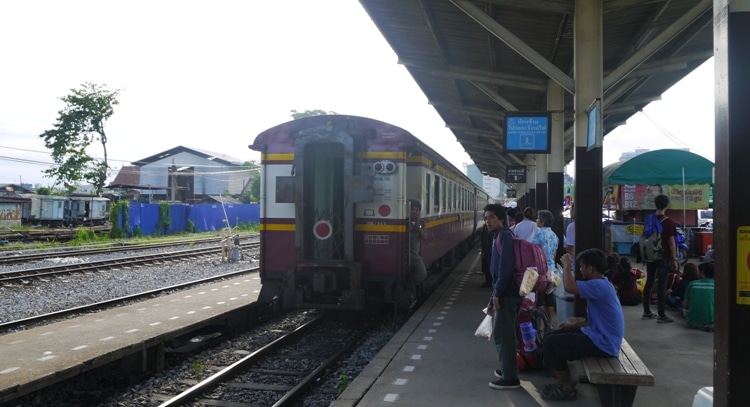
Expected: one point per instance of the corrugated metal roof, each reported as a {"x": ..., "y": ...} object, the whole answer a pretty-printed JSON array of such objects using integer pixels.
[
  {"x": 223, "y": 159},
  {"x": 457, "y": 62}
]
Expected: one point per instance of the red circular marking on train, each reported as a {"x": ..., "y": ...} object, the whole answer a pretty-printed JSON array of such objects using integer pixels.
[
  {"x": 322, "y": 229},
  {"x": 384, "y": 210}
]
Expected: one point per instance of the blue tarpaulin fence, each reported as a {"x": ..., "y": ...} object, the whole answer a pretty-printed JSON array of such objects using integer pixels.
[{"x": 205, "y": 217}]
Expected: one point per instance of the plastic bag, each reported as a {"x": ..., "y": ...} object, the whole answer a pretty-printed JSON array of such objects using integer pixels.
[
  {"x": 484, "y": 330},
  {"x": 553, "y": 280},
  {"x": 529, "y": 281}
]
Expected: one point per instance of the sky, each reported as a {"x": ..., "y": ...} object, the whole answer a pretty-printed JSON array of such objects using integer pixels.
[{"x": 213, "y": 75}]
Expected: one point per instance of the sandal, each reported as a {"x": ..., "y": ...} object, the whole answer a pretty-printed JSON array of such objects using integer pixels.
[{"x": 556, "y": 391}]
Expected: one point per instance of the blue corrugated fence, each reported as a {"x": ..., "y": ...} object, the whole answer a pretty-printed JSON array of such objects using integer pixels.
[{"x": 205, "y": 217}]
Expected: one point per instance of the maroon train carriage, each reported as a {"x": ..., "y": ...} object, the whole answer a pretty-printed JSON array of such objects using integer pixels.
[{"x": 334, "y": 210}]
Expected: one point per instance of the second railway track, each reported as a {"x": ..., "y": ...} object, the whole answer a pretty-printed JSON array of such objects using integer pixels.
[{"x": 28, "y": 275}]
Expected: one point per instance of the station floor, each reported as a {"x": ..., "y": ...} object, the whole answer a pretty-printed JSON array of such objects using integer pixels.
[
  {"x": 34, "y": 358},
  {"x": 435, "y": 359}
]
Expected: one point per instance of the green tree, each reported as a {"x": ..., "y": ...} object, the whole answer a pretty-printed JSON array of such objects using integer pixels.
[
  {"x": 307, "y": 113},
  {"x": 251, "y": 190},
  {"x": 44, "y": 191},
  {"x": 78, "y": 125}
]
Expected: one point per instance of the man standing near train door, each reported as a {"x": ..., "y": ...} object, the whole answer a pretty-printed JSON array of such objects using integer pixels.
[{"x": 417, "y": 270}]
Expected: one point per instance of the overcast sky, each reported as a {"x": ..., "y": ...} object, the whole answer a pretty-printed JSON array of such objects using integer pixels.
[{"x": 212, "y": 75}]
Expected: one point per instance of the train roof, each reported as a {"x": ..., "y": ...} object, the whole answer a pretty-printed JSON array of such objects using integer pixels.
[{"x": 275, "y": 137}]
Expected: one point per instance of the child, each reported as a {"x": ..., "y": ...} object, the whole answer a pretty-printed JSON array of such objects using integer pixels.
[
  {"x": 677, "y": 294},
  {"x": 699, "y": 299},
  {"x": 625, "y": 282}
]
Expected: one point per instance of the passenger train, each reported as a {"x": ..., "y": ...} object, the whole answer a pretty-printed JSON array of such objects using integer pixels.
[{"x": 335, "y": 194}]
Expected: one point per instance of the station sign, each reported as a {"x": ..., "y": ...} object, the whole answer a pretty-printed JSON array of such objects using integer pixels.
[
  {"x": 510, "y": 193},
  {"x": 515, "y": 174},
  {"x": 528, "y": 133}
]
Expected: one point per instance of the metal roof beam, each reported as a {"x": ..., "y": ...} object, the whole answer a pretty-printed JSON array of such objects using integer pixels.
[
  {"x": 515, "y": 43},
  {"x": 470, "y": 111},
  {"x": 494, "y": 96},
  {"x": 659, "y": 41},
  {"x": 478, "y": 132},
  {"x": 566, "y": 7},
  {"x": 628, "y": 103},
  {"x": 494, "y": 78},
  {"x": 536, "y": 5}
]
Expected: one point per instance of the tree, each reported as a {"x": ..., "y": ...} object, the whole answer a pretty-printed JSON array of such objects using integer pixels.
[
  {"x": 307, "y": 113},
  {"x": 78, "y": 125},
  {"x": 251, "y": 190}
]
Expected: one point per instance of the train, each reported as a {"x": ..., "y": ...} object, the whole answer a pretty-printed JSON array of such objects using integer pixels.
[
  {"x": 335, "y": 203},
  {"x": 57, "y": 211}
]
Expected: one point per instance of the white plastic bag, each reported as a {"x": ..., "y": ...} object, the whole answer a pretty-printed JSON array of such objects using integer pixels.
[
  {"x": 529, "y": 281},
  {"x": 553, "y": 280},
  {"x": 484, "y": 330}
]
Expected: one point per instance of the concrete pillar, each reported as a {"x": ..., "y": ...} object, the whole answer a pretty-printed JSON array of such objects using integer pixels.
[
  {"x": 588, "y": 52},
  {"x": 731, "y": 197},
  {"x": 556, "y": 159}
]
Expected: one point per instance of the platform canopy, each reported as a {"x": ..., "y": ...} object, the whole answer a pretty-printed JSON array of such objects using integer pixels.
[{"x": 660, "y": 167}]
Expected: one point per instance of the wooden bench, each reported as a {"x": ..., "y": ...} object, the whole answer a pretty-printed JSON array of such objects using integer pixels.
[{"x": 617, "y": 379}]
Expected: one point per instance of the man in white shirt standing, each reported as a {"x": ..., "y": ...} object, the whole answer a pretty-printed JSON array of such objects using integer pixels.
[
  {"x": 527, "y": 227},
  {"x": 570, "y": 233}
]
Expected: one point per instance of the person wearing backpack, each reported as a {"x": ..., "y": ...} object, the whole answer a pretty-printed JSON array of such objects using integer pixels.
[
  {"x": 505, "y": 303},
  {"x": 657, "y": 269}
]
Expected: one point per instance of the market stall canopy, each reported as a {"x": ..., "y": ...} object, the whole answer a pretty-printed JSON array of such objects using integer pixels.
[{"x": 660, "y": 167}]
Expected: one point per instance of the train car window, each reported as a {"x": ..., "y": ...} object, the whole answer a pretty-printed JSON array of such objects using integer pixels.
[
  {"x": 448, "y": 196},
  {"x": 455, "y": 197},
  {"x": 285, "y": 190},
  {"x": 443, "y": 194},
  {"x": 427, "y": 195},
  {"x": 436, "y": 195}
]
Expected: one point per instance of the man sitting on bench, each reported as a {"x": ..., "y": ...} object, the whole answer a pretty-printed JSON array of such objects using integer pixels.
[{"x": 600, "y": 335}]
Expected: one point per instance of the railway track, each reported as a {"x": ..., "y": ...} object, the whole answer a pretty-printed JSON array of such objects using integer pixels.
[
  {"x": 29, "y": 275},
  {"x": 281, "y": 372},
  {"x": 8, "y": 257},
  {"x": 46, "y": 235}
]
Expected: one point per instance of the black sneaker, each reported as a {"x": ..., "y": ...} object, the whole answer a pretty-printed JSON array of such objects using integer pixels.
[
  {"x": 503, "y": 384},
  {"x": 499, "y": 374},
  {"x": 648, "y": 316},
  {"x": 664, "y": 319}
]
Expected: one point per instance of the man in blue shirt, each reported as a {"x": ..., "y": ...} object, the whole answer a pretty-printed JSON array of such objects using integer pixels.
[{"x": 600, "y": 335}]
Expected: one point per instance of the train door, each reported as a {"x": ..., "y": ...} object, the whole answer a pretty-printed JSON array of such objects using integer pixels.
[
  {"x": 326, "y": 273},
  {"x": 323, "y": 208}
]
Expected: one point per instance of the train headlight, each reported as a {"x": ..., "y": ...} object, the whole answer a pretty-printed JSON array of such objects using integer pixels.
[
  {"x": 390, "y": 167},
  {"x": 384, "y": 167}
]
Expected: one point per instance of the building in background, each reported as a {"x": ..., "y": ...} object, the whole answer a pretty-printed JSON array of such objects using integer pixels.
[
  {"x": 183, "y": 174},
  {"x": 493, "y": 186}
]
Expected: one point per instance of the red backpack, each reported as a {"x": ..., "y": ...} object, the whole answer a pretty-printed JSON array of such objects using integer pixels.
[{"x": 528, "y": 255}]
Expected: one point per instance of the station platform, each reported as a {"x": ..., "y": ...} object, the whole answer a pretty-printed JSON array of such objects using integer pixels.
[
  {"x": 435, "y": 359},
  {"x": 41, "y": 356}
]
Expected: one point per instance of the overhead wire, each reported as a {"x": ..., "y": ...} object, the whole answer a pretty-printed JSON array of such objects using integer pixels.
[{"x": 672, "y": 137}]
